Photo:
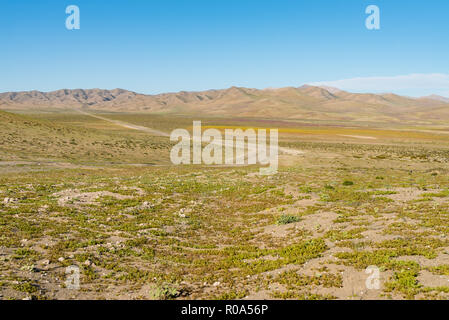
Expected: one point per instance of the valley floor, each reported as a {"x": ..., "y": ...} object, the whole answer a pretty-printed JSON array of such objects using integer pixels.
[{"x": 150, "y": 230}]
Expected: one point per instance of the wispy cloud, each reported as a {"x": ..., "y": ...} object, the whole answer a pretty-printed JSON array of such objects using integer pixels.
[{"x": 419, "y": 82}]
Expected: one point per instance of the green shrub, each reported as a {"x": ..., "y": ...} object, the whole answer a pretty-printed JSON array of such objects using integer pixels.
[
  {"x": 286, "y": 219},
  {"x": 165, "y": 292}
]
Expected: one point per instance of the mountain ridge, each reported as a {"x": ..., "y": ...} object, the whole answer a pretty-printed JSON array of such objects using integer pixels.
[{"x": 288, "y": 102}]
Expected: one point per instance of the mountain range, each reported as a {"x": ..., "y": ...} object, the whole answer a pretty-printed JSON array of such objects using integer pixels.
[{"x": 306, "y": 102}]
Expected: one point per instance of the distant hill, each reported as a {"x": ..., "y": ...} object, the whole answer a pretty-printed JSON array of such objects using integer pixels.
[
  {"x": 306, "y": 102},
  {"x": 439, "y": 98}
]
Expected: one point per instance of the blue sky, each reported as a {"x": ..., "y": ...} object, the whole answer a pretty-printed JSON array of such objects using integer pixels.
[{"x": 172, "y": 45}]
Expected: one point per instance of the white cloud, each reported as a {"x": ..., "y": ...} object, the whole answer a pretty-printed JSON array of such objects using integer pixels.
[{"x": 432, "y": 83}]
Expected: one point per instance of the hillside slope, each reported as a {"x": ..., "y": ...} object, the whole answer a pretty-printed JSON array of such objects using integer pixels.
[{"x": 24, "y": 138}]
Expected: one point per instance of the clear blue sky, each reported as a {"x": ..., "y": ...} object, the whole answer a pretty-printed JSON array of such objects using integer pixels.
[{"x": 171, "y": 45}]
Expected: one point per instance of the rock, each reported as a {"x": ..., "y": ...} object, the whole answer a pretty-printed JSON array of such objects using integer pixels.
[
  {"x": 216, "y": 284},
  {"x": 9, "y": 200},
  {"x": 43, "y": 208},
  {"x": 87, "y": 263},
  {"x": 46, "y": 262},
  {"x": 61, "y": 259}
]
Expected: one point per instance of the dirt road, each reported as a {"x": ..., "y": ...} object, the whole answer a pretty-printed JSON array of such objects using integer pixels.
[{"x": 164, "y": 134}]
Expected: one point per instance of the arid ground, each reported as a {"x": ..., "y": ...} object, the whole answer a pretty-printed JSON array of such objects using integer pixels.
[{"x": 96, "y": 193}]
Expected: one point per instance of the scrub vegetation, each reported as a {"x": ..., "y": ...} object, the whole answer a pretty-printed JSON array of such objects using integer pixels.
[{"x": 79, "y": 191}]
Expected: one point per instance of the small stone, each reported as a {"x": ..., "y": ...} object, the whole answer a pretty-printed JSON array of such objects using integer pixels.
[
  {"x": 61, "y": 259},
  {"x": 9, "y": 200},
  {"x": 87, "y": 263},
  {"x": 216, "y": 284},
  {"x": 43, "y": 209}
]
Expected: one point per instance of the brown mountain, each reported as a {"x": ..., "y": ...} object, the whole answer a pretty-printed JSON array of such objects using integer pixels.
[
  {"x": 306, "y": 102},
  {"x": 437, "y": 97}
]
